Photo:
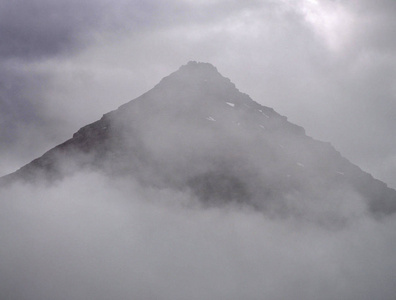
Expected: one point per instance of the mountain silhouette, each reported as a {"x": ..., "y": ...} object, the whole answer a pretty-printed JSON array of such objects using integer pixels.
[{"x": 196, "y": 132}]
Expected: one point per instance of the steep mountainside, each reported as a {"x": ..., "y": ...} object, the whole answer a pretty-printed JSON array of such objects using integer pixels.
[{"x": 196, "y": 132}]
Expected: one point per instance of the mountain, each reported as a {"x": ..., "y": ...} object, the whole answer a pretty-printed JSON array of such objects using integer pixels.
[{"x": 196, "y": 132}]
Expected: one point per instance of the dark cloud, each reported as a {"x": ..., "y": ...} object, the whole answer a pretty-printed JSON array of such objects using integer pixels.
[{"x": 41, "y": 28}]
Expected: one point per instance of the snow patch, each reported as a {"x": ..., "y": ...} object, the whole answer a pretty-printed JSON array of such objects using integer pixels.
[
  {"x": 300, "y": 164},
  {"x": 231, "y": 104},
  {"x": 210, "y": 119}
]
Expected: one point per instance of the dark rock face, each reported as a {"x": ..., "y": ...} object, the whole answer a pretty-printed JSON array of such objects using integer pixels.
[
  {"x": 216, "y": 188},
  {"x": 196, "y": 131}
]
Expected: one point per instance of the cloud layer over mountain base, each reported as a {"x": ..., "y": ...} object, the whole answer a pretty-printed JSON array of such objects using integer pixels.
[{"x": 91, "y": 238}]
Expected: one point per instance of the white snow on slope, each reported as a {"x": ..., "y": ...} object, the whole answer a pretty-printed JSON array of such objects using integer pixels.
[
  {"x": 231, "y": 104},
  {"x": 264, "y": 113}
]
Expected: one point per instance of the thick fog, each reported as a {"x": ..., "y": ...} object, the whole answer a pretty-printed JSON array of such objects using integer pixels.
[{"x": 89, "y": 237}]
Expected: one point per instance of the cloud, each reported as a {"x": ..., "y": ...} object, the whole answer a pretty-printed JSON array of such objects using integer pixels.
[
  {"x": 67, "y": 63},
  {"x": 328, "y": 66},
  {"x": 94, "y": 238},
  {"x": 38, "y": 29},
  {"x": 40, "y": 71},
  {"x": 374, "y": 25},
  {"x": 42, "y": 28}
]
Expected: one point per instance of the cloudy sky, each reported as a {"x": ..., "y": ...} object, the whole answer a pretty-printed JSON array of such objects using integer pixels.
[{"x": 327, "y": 65}]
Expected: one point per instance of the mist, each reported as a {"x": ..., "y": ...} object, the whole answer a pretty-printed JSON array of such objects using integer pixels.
[
  {"x": 100, "y": 232},
  {"x": 327, "y": 65},
  {"x": 90, "y": 237},
  {"x": 134, "y": 213}
]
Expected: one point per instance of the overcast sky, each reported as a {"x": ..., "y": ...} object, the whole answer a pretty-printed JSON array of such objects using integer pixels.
[{"x": 328, "y": 66}]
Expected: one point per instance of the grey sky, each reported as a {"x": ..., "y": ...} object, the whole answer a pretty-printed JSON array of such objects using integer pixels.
[{"x": 327, "y": 65}]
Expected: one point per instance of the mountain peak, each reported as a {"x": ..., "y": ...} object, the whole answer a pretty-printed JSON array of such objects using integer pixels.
[
  {"x": 196, "y": 65},
  {"x": 196, "y": 132},
  {"x": 193, "y": 71},
  {"x": 199, "y": 76}
]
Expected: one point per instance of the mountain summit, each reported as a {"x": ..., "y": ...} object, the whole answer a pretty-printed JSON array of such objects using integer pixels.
[{"x": 196, "y": 132}]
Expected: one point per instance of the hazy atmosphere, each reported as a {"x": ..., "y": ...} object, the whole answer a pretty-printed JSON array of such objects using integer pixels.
[{"x": 327, "y": 65}]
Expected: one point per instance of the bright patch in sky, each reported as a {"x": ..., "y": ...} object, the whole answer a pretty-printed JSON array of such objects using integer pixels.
[{"x": 330, "y": 21}]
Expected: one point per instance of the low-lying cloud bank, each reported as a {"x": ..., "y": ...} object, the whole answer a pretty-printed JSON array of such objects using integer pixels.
[{"x": 89, "y": 237}]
